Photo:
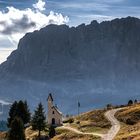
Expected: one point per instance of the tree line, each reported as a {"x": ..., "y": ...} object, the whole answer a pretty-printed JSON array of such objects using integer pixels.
[{"x": 20, "y": 118}]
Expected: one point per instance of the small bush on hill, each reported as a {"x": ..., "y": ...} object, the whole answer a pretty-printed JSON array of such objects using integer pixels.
[
  {"x": 130, "y": 102},
  {"x": 52, "y": 132},
  {"x": 78, "y": 122},
  {"x": 109, "y": 106},
  {"x": 130, "y": 121},
  {"x": 70, "y": 120}
]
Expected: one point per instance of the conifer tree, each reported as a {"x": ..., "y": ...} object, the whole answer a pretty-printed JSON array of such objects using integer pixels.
[
  {"x": 19, "y": 109},
  {"x": 23, "y": 112},
  {"x": 38, "y": 120},
  {"x": 16, "y": 131},
  {"x": 130, "y": 102},
  {"x": 12, "y": 113}
]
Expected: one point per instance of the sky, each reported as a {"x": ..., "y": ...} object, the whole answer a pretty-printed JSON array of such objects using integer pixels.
[{"x": 17, "y": 17}]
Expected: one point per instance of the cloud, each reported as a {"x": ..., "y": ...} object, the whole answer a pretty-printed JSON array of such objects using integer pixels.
[
  {"x": 4, "y": 52},
  {"x": 4, "y": 102},
  {"x": 40, "y": 5},
  {"x": 15, "y": 22},
  {"x": 99, "y": 18},
  {"x": 17, "y": 25}
]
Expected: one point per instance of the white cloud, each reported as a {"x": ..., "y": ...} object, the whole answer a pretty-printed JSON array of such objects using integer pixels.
[
  {"x": 4, "y": 102},
  {"x": 40, "y": 5},
  {"x": 99, "y": 18},
  {"x": 4, "y": 53},
  {"x": 15, "y": 22}
]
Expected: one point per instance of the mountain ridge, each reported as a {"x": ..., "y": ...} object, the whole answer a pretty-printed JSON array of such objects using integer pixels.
[{"x": 88, "y": 60}]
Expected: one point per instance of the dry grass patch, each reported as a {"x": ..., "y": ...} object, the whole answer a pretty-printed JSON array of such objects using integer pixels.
[
  {"x": 128, "y": 132},
  {"x": 3, "y": 135},
  {"x": 92, "y": 121},
  {"x": 30, "y": 134},
  {"x": 129, "y": 115},
  {"x": 130, "y": 123},
  {"x": 63, "y": 134}
]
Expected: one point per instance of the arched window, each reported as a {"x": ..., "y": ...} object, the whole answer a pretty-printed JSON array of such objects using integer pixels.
[{"x": 53, "y": 112}]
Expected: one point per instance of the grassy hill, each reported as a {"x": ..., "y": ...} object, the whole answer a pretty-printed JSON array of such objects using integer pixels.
[
  {"x": 92, "y": 121},
  {"x": 130, "y": 123},
  {"x": 63, "y": 134},
  {"x": 95, "y": 122}
]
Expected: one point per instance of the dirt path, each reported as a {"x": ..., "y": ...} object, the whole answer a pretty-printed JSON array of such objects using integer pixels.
[
  {"x": 115, "y": 125},
  {"x": 111, "y": 133},
  {"x": 79, "y": 132}
]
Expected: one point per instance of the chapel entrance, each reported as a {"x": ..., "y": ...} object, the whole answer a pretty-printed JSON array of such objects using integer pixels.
[{"x": 53, "y": 121}]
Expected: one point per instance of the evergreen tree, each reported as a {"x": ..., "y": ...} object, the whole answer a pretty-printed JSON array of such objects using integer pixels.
[
  {"x": 23, "y": 112},
  {"x": 136, "y": 101},
  {"x": 19, "y": 109},
  {"x": 38, "y": 120},
  {"x": 17, "y": 130},
  {"x": 52, "y": 132},
  {"x": 130, "y": 102},
  {"x": 12, "y": 113},
  {"x": 27, "y": 113}
]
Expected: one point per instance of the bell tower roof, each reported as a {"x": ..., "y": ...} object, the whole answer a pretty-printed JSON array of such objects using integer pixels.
[{"x": 50, "y": 97}]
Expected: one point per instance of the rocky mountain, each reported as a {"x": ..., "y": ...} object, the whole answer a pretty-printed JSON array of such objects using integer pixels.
[{"x": 96, "y": 64}]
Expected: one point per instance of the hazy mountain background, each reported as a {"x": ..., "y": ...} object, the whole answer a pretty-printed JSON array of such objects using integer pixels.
[{"x": 96, "y": 64}]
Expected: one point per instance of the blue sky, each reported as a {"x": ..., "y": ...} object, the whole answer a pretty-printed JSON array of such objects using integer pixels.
[
  {"x": 83, "y": 10},
  {"x": 24, "y": 16}
]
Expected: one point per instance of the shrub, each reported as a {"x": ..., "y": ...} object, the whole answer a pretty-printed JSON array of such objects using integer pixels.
[
  {"x": 109, "y": 106},
  {"x": 70, "y": 120},
  {"x": 136, "y": 101},
  {"x": 52, "y": 132},
  {"x": 130, "y": 121},
  {"x": 78, "y": 122},
  {"x": 130, "y": 102}
]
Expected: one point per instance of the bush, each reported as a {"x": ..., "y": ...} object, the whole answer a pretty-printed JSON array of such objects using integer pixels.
[
  {"x": 136, "y": 101},
  {"x": 52, "y": 132},
  {"x": 78, "y": 122},
  {"x": 130, "y": 102},
  {"x": 130, "y": 121},
  {"x": 109, "y": 106},
  {"x": 70, "y": 120}
]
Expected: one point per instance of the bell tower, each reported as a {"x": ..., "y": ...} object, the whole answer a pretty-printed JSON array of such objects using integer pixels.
[
  {"x": 54, "y": 115},
  {"x": 50, "y": 106}
]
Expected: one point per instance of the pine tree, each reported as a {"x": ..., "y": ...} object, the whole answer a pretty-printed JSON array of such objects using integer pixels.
[
  {"x": 23, "y": 112},
  {"x": 19, "y": 109},
  {"x": 130, "y": 102},
  {"x": 12, "y": 113},
  {"x": 136, "y": 101},
  {"x": 38, "y": 120},
  {"x": 27, "y": 113},
  {"x": 17, "y": 130}
]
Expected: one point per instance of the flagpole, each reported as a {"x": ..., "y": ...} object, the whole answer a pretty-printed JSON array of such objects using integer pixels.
[{"x": 78, "y": 108}]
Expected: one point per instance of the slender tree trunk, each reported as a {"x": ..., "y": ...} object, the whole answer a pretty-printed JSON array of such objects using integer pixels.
[{"x": 39, "y": 134}]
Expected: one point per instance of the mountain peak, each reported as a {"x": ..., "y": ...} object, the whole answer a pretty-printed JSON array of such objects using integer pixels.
[{"x": 97, "y": 59}]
